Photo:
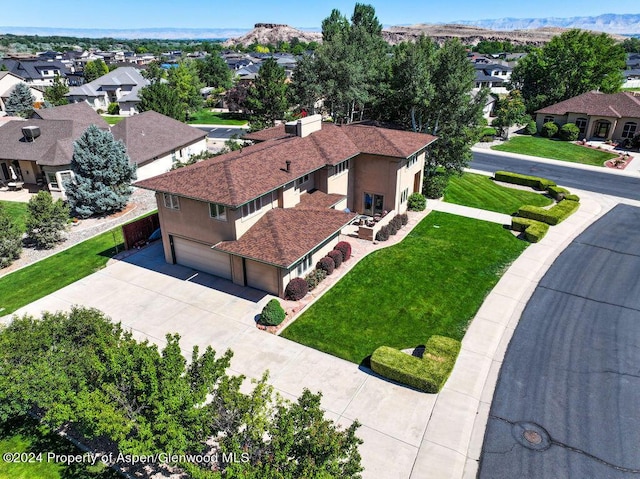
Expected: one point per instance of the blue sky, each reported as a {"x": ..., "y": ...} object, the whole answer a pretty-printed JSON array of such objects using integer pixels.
[{"x": 245, "y": 13}]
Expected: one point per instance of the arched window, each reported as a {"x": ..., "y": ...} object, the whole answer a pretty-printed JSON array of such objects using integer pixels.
[
  {"x": 629, "y": 129},
  {"x": 581, "y": 123}
]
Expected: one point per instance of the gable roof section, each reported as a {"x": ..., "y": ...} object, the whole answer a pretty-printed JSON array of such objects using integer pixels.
[
  {"x": 240, "y": 176},
  {"x": 594, "y": 103},
  {"x": 30, "y": 69},
  {"x": 150, "y": 135},
  {"x": 14, "y": 147},
  {"x": 283, "y": 236},
  {"x": 120, "y": 76},
  {"x": 80, "y": 113}
]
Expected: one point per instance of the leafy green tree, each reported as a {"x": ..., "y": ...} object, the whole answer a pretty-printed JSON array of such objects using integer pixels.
[
  {"x": 185, "y": 81},
  {"x": 161, "y": 98},
  {"x": 154, "y": 72},
  {"x": 102, "y": 174},
  {"x": 267, "y": 97},
  {"x": 214, "y": 71},
  {"x": 631, "y": 45},
  {"x": 46, "y": 220},
  {"x": 570, "y": 64},
  {"x": 10, "y": 239},
  {"x": 20, "y": 101},
  {"x": 305, "y": 89},
  {"x": 95, "y": 69},
  {"x": 511, "y": 111},
  {"x": 55, "y": 94}
]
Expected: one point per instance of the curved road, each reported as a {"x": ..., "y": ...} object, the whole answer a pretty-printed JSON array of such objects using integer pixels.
[
  {"x": 566, "y": 405},
  {"x": 607, "y": 183}
]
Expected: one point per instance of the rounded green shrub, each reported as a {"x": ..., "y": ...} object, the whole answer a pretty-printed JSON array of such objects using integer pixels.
[
  {"x": 435, "y": 185},
  {"x": 113, "y": 109},
  {"x": 416, "y": 202},
  {"x": 345, "y": 248},
  {"x": 569, "y": 132},
  {"x": 531, "y": 128},
  {"x": 272, "y": 314},
  {"x": 549, "y": 130},
  {"x": 296, "y": 289},
  {"x": 327, "y": 264}
]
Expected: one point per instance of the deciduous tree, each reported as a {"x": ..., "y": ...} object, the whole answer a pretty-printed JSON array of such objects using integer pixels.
[
  {"x": 511, "y": 111},
  {"x": 267, "y": 97},
  {"x": 161, "y": 98},
  {"x": 55, "y": 94},
  {"x": 95, "y": 69},
  {"x": 214, "y": 71},
  {"x": 185, "y": 81}
]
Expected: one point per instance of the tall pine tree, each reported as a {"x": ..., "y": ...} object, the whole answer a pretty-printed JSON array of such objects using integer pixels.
[
  {"x": 102, "y": 174},
  {"x": 20, "y": 101}
]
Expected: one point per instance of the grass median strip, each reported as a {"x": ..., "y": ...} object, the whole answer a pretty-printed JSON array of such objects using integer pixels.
[{"x": 432, "y": 282}]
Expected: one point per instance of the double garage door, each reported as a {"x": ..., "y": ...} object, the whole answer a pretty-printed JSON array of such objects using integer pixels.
[{"x": 201, "y": 257}]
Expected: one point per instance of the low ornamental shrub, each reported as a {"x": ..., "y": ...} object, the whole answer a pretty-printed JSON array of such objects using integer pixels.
[
  {"x": 314, "y": 278},
  {"x": 336, "y": 256},
  {"x": 517, "y": 179},
  {"x": 557, "y": 214},
  {"x": 428, "y": 373},
  {"x": 416, "y": 202},
  {"x": 404, "y": 218},
  {"x": 296, "y": 289},
  {"x": 549, "y": 130},
  {"x": 392, "y": 229},
  {"x": 327, "y": 264},
  {"x": 383, "y": 234},
  {"x": 272, "y": 314},
  {"x": 533, "y": 230},
  {"x": 345, "y": 248},
  {"x": 569, "y": 132},
  {"x": 531, "y": 128},
  {"x": 113, "y": 109},
  {"x": 397, "y": 222}
]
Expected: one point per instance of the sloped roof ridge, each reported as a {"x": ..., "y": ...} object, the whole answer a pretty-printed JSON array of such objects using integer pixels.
[{"x": 278, "y": 239}]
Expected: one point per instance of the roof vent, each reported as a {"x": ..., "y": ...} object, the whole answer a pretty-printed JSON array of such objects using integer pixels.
[{"x": 30, "y": 133}]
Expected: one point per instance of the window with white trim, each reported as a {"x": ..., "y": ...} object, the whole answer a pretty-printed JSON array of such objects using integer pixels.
[
  {"x": 302, "y": 180},
  {"x": 53, "y": 180},
  {"x": 629, "y": 129},
  {"x": 412, "y": 160},
  {"x": 65, "y": 177},
  {"x": 341, "y": 167},
  {"x": 171, "y": 201},
  {"x": 218, "y": 212},
  {"x": 305, "y": 264},
  {"x": 404, "y": 195}
]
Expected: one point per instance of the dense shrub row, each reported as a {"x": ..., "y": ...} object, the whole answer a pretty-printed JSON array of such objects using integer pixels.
[
  {"x": 392, "y": 228},
  {"x": 296, "y": 289},
  {"x": 552, "y": 216},
  {"x": 428, "y": 373},
  {"x": 557, "y": 192},
  {"x": 533, "y": 230},
  {"x": 525, "y": 180},
  {"x": 327, "y": 264}
]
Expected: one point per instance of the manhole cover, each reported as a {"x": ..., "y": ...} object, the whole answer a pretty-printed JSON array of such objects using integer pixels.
[{"x": 531, "y": 436}]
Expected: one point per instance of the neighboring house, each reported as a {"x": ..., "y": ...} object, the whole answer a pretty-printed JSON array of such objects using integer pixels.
[
  {"x": 493, "y": 76},
  {"x": 631, "y": 78},
  {"x": 36, "y": 72},
  {"x": 8, "y": 82},
  {"x": 614, "y": 116},
  {"x": 266, "y": 214},
  {"x": 118, "y": 86},
  {"x": 156, "y": 142}
]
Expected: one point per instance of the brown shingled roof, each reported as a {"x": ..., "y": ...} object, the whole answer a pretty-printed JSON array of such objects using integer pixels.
[
  {"x": 318, "y": 200},
  {"x": 81, "y": 114},
  {"x": 283, "y": 236},
  {"x": 50, "y": 148},
  {"x": 594, "y": 103},
  {"x": 240, "y": 176}
]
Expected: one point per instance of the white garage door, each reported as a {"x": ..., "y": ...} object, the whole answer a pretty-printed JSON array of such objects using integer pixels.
[
  {"x": 201, "y": 257},
  {"x": 262, "y": 276}
]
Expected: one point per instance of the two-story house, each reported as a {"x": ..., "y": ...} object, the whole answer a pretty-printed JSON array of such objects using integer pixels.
[
  {"x": 266, "y": 214},
  {"x": 36, "y": 72}
]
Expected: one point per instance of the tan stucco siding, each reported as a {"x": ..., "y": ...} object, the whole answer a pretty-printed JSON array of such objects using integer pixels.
[
  {"x": 243, "y": 224},
  {"x": 617, "y": 133},
  {"x": 376, "y": 175},
  {"x": 288, "y": 275},
  {"x": 339, "y": 183},
  {"x": 406, "y": 178}
]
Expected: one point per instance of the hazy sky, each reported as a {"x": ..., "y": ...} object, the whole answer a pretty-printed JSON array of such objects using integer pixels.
[{"x": 245, "y": 13}]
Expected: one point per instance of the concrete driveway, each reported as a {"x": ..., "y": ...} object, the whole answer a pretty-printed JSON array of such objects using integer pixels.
[{"x": 153, "y": 298}]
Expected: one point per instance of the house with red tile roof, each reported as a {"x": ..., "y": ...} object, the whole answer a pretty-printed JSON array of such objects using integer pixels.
[
  {"x": 614, "y": 116},
  {"x": 266, "y": 214}
]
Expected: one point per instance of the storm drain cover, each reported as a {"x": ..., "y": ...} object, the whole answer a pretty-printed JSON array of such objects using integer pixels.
[{"x": 531, "y": 436}]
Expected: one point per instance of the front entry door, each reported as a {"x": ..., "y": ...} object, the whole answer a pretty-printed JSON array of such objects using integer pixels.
[
  {"x": 602, "y": 129},
  {"x": 373, "y": 204}
]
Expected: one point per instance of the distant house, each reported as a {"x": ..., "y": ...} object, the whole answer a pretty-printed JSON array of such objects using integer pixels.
[
  {"x": 35, "y": 72},
  {"x": 598, "y": 115},
  {"x": 119, "y": 86},
  {"x": 493, "y": 76},
  {"x": 8, "y": 82}
]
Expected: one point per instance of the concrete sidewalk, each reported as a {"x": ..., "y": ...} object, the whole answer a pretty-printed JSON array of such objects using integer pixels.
[{"x": 476, "y": 213}]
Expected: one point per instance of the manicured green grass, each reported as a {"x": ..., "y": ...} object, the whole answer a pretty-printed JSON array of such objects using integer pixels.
[
  {"x": 555, "y": 149},
  {"x": 206, "y": 117},
  {"x": 112, "y": 120},
  {"x": 17, "y": 211},
  {"x": 631, "y": 89},
  {"x": 23, "y": 436},
  {"x": 432, "y": 282},
  {"x": 479, "y": 191}
]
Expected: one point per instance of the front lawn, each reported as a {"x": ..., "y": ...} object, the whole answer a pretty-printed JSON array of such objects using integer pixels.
[
  {"x": 479, "y": 191},
  {"x": 17, "y": 211},
  {"x": 112, "y": 120},
  {"x": 555, "y": 149},
  {"x": 433, "y": 282},
  {"x": 22, "y": 435},
  {"x": 207, "y": 117}
]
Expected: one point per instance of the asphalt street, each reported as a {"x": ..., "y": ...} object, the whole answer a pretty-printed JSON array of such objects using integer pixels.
[
  {"x": 606, "y": 183},
  {"x": 566, "y": 404},
  {"x": 222, "y": 132}
]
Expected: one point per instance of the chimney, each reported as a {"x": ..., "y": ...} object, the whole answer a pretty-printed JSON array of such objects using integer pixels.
[
  {"x": 304, "y": 126},
  {"x": 30, "y": 133},
  {"x": 288, "y": 163}
]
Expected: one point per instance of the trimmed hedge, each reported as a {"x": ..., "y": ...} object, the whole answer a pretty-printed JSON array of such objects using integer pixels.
[
  {"x": 327, "y": 264},
  {"x": 560, "y": 212},
  {"x": 533, "y": 230},
  {"x": 525, "y": 180},
  {"x": 572, "y": 197},
  {"x": 557, "y": 192},
  {"x": 336, "y": 256},
  {"x": 272, "y": 314},
  {"x": 296, "y": 289},
  {"x": 428, "y": 373},
  {"x": 345, "y": 248},
  {"x": 569, "y": 132}
]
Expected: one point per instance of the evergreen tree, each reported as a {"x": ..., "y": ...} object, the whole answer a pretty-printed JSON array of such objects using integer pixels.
[
  {"x": 46, "y": 220},
  {"x": 55, "y": 94},
  {"x": 161, "y": 98},
  {"x": 267, "y": 97},
  {"x": 20, "y": 101},
  {"x": 10, "y": 239},
  {"x": 102, "y": 174}
]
